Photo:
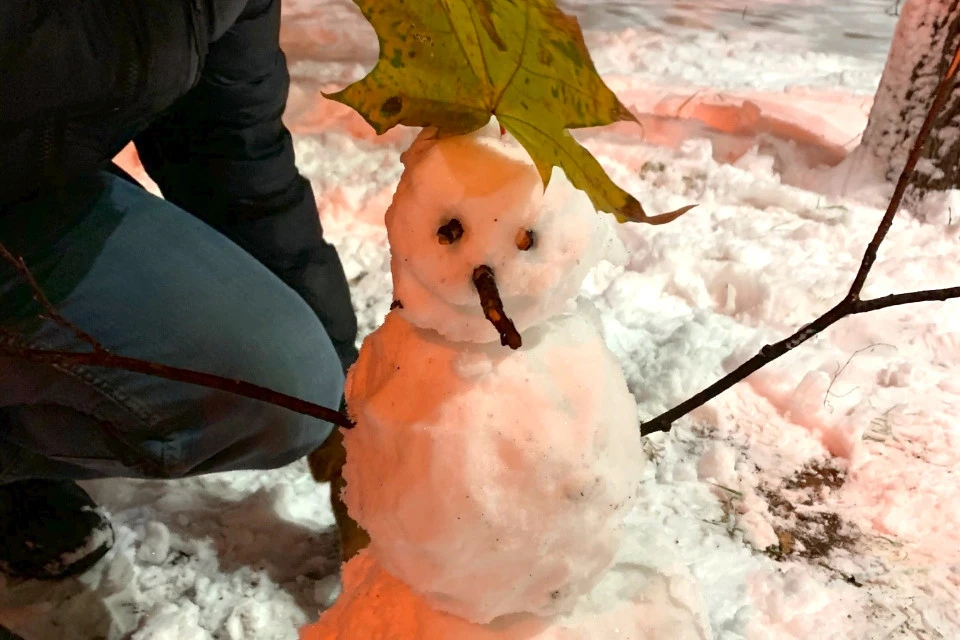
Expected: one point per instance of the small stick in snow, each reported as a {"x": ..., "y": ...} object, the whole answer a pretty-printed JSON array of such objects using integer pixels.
[
  {"x": 486, "y": 284},
  {"x": 841, "y": 368}
]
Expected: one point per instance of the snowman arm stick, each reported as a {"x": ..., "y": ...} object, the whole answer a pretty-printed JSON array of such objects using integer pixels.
[
  {"x": 851, "y": 303},
  {"x": 101, "y": 357}
]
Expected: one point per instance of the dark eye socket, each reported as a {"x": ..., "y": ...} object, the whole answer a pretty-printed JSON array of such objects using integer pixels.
[
  {"x": 526, "y": 239},
  {"x": 450, "y": 232}
]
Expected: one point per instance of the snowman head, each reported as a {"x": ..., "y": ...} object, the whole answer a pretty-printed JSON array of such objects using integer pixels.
[{"x": 477, "y": 202}]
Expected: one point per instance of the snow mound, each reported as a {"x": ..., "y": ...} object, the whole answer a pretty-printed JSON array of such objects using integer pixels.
[
  {"x": 492, "y": 481},
  {"x": 487, "y": 184},
  {"x": 632, "y": 602}
]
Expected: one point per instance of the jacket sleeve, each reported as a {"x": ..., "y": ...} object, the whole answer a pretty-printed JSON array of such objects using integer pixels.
[
  {"x": 223, "y": 154},
  {"x": 60, "y": 56},
  {"x": 78, "y": 76}
]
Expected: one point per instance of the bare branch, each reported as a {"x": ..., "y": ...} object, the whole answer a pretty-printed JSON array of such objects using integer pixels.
[
  {"x": 927, "y": 295},
  {"x": 101, "y": 357},
  {"x": 851, "y": 303},
  {"x": 767, "y": 354},
  {"x": 237, "y": 387},
  {"x": 870, "y": 255}
]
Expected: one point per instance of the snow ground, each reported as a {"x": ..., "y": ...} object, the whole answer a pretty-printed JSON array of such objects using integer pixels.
[{"x": 815, "y": 500}]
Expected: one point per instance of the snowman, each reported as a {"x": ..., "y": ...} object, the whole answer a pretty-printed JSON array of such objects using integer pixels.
[{"x": 497, "y": 450}]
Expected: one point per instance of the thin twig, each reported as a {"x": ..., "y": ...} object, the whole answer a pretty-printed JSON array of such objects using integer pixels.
[
  {"x": 50, "y": 312},
  {"x": 894, "y": 299},
  {"x": 870, "y": 255},
  {"x": 836, "y": 376},
  {"x": 101, "y": 357},
  {"x": 851, "y": 303},
  {"x": 486, "y": 285},
  {"x": 237, "y": 387}
]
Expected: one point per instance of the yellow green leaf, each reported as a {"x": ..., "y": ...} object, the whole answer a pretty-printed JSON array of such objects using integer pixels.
[
  {"x": 559, "y": 148},
  {"x": 451, "y": 64}
]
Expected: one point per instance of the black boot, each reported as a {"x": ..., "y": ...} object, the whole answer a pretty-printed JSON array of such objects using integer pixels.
[
  {"x": 50, "y": 529},
  {"x": 6, "y": 634}
]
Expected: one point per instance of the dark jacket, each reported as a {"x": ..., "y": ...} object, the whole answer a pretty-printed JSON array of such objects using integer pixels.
[{"x": 200, "y": 87}]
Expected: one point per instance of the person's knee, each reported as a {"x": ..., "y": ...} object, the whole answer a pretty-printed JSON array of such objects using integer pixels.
[
  {"x": 167, "y": 288},
  {"x": 319, "y": 375},
  {"x": 301, "y": 363},
  {"x": 296, "y": 357},
  {"x": 289, "y": 353}
]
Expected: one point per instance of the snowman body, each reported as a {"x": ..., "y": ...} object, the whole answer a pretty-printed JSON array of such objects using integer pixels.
[{"x": 492, "y": 481}]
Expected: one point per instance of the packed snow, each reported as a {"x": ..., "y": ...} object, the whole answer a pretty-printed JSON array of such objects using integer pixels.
[
  {"x": 817, "y": 499},
  {"x": 477, "y": 469}
]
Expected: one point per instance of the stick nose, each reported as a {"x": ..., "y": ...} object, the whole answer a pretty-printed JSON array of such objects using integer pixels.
[{"x": 486, "y": 285}]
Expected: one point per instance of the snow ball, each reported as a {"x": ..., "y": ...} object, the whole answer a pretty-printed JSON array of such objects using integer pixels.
[
  {"x": 473, "y": 200},
  {"x": 492, "y": 481},
  {"x": 155, "y": 546}
]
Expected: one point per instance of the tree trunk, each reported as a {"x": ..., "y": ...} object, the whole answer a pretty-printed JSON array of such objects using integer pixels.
[{"x": 925, "y": 40}]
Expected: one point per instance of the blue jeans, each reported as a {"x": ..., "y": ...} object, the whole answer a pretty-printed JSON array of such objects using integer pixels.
[{"x": 150, "y": 281}]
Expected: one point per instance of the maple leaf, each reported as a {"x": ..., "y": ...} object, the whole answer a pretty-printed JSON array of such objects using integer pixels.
[{"x": 451, "y": 64}]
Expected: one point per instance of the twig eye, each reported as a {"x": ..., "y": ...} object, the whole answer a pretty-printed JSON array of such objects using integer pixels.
[
  {"x": 450, "y": 232},
  {"x": 526, "y": 238}
]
